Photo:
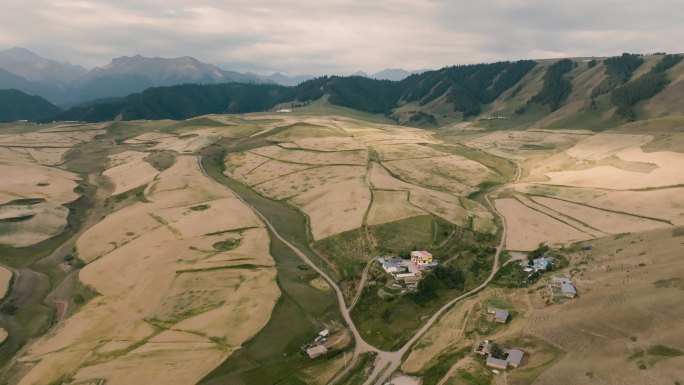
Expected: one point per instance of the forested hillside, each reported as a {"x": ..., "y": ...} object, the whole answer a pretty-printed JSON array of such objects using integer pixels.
[
  {"x": 430, "y": 98},
  {"x": 16, "y": 105}
]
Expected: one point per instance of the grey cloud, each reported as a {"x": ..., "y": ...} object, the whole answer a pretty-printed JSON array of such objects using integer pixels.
[{"x": 338, "y": 36}]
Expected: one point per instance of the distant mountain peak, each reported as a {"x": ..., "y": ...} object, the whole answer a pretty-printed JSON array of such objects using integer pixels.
[{"x": 29, "y": 65}]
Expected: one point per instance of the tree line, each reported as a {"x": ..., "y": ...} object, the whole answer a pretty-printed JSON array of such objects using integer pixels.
[
  {"x": 556, "y": 86},
  {"x": 643, "y": 88},
  {"x": 618, "y": 71}
]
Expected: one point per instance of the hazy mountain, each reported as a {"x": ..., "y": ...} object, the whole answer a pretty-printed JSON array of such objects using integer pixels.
[
  {"x": 48, "y": 91},
  {"x": 16, "y": 105},
  {"x": 66, "y": 85},
  {"x": 126, "y": 75},
  {"x": 162, "y": 71},
  {"x": 30, "y": 66},
  {"x": 395, "y": 74},
  {"x": 285, "y": 80}
]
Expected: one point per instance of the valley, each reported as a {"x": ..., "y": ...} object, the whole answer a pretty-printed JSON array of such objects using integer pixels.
[{"x": 224, "y": 247}]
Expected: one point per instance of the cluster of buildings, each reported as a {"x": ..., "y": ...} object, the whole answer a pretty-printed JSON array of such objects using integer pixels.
[
  {"x": 408, "y": 270},
  {"x": 317, "y": 348},
  {"x": 510, "y": 358}
]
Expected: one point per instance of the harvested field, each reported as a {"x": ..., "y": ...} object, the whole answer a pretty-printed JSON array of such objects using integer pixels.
[
  {"x": 603, "y": 145},
  {"x": 182, "y": 305},
  {"x": 452, "y": 212},
  {"x": 528, "y": 228},
  {"x": 303, "y": 181},
  {"x": 239, "y": 164},
  {"x": 313, "y": 157},
  {"x": 391, "y": 206},
  {"x": 523, "y": 144},
  {"x": 438, "y": 203},
  {"x": 25, "y": 225},
  {"x": 406, "y": 151},
  {"x": 185, "y": 143},
  {"x": 272, "y": 169},
  {"x": 333, "y": 143},
  {"x": 612, "y": 178},
  {"x": 47, "y": 156},
  {"x": 455, "y": 174},
  {"x": 606, "y": 221},
  {"x": 335, "y": 208},
  {"x": 659, "y": 204},
  {"x": 128, "y": 170},
  {"x": 24, "y": 181}
]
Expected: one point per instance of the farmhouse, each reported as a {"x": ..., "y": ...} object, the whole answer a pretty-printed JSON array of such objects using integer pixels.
[
  {"x": 392, "y": 265},
  {"x": 513, "y": 358},
  {"x": 501, "y": 316},
  {"x": 543, "y": 263},
  {"x": 422, "y": 259},
  {"x": 496, "y": 363},
  {"x": 568, "y": 290},
  {"x": 316, "y": 351}
]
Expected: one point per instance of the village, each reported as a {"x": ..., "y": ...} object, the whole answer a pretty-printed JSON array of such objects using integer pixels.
[{"x": 406, "y": 273}]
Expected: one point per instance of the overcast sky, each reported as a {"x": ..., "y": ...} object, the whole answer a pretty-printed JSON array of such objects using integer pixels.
[{"x": 339, "y": 36}]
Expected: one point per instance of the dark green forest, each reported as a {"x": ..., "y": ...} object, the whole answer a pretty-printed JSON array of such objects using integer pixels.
[
  {"x": 16, "y": 105},
  {"x": 556, "y": 85},
  {"x": 618, "y": 71},
  {"x": 643, "y": 88}
]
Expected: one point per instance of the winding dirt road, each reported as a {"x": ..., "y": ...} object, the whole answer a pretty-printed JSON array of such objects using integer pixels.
[{"x": 386, "y": 362}]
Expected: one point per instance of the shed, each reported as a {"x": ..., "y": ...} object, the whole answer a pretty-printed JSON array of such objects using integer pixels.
[
  {"x": 324, "y": 333},
  {"x": 501, "y": 316},
  {"x": 568, "y": 290},
  {"x": 514, "y": 357},
  {"x": 316, "y": 351},
  {"x": 496, "y": 363}
]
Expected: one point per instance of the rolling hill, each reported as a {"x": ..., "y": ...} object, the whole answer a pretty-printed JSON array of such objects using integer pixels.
[{"x": 16, "y": 105}]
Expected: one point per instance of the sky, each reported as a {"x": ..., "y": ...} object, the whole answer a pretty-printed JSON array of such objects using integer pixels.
[{"x": 339, "y": 36}]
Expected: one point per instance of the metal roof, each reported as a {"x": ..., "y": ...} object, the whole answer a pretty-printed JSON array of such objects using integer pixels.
[
  {"x": 568, "y": 288},
  {"x": 515, "y": 356},
  {"x": 501, "y": 313}
]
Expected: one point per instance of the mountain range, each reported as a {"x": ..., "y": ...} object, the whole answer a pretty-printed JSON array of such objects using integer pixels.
[
  {"x": 66, "y": 85},
  {"x": 589, "y": 92}
]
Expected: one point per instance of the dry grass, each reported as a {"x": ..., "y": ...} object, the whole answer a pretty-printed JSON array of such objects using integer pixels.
[{"x": 181, "y": 305}]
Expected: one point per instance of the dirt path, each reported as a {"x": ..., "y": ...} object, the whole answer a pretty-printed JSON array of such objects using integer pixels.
[
  {"x": 386, "y": 362},
  {"x": 459, "y": 365},
  {"x": 362, "y": 284}
]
